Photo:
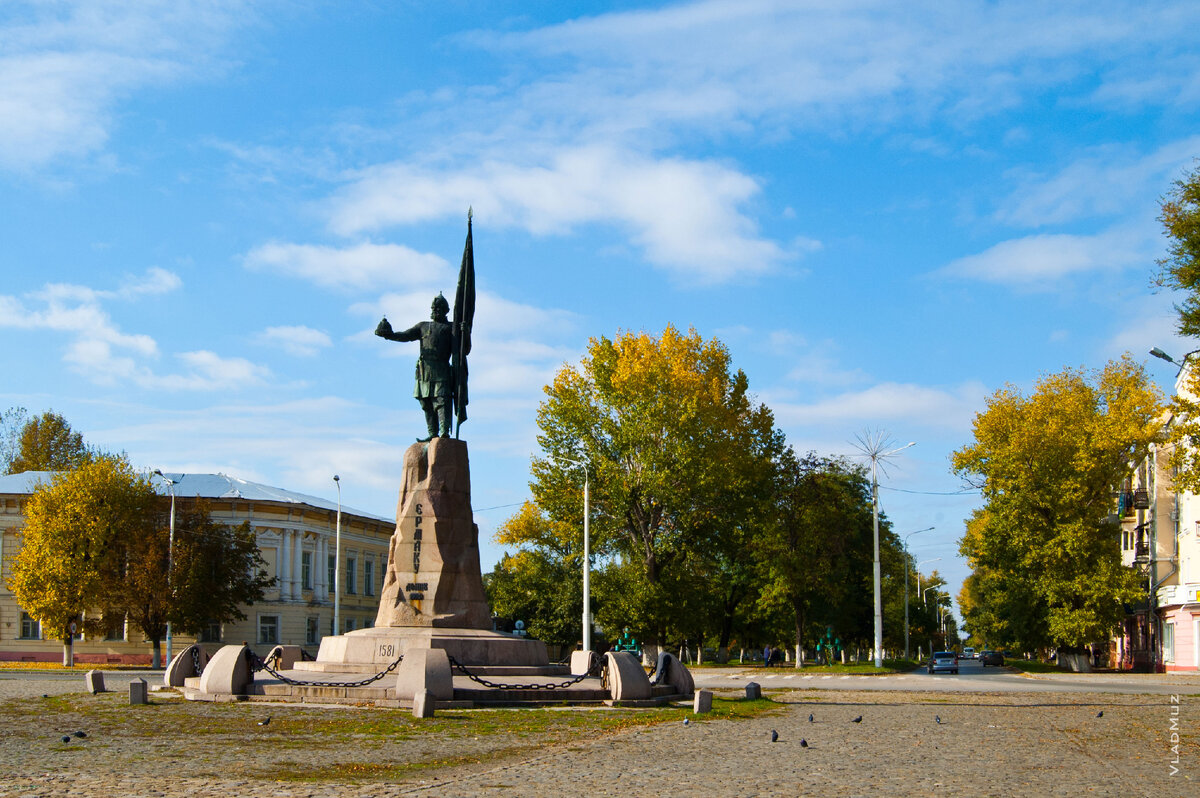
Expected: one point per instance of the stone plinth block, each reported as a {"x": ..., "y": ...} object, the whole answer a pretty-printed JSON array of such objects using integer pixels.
[
  {"x": 227, "y": 673},
  {"x": 581, "y": 662},
  {"x": 137, "y": 691},
  {"x": 94, "y": 681},
  {"x": 433, "y": 576},
  {"x": 425, "y": 670},
  {"x": 422, "y": 705},
  {"x": 183, "y": 665},
  {"x": 626, "y": 679},
  {"x": 702, "y": 702},
  {"x": 753, "y": 690}
]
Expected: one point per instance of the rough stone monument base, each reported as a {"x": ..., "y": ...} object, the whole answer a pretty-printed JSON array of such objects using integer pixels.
[{"x": 369, "y": 650}]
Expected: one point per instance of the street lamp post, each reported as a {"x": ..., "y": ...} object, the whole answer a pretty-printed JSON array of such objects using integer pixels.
[
  {"x": 337, "y": 561},
  {"x": 872, "y": 447},
  {"x": 587, "y": 556},
  {"x": 170, "y": 561},
  {"x": 907, "y": 559}
]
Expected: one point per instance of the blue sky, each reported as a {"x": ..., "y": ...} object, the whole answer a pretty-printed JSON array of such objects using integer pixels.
[{"x": 887, "y": 211}]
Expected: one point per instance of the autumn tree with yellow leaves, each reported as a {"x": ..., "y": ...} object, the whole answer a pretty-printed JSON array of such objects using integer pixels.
[
  {"x": 73, "y": 527},
  {"x": 1047, "y": 465},
  {"x": 677, "y": 452}
]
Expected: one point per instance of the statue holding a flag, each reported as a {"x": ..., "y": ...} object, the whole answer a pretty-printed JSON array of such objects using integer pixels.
[{"x": 441, "y": 374}]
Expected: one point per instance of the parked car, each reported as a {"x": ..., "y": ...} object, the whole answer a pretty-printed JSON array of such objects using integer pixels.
[
  {"x": 991, "y": 658},
  {"x": 943, "y": 661}
]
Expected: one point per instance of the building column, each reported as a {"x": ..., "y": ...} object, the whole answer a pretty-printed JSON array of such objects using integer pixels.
[
  {"x": 320, "y": 589},
  {"x": 297, "y": 573},
  {"x": 285, "y": 565}
]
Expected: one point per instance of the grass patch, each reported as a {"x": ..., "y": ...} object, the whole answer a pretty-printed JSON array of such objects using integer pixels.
[{"x": 1030, "y": 666}]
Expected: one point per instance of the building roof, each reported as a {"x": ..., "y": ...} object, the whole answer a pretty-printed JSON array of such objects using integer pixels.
[{"x": 205, "y": 486}]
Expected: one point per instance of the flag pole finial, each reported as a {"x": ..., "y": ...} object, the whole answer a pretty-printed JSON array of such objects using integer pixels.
[{"x": 469, "y": 208}]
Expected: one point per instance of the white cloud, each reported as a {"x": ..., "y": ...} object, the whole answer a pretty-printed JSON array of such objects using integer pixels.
[
  {"x": 1104, "y": 183},
  {"x": 295, "y": 340},
  {"x": 102, "y": 353},
  {"x": 1144, "y": 323},
  {"x": 887, "y": 403},
  {"x": 359, "y": 267},
  {"x": 685, "y": 215},
  {"x": 65, "y": 65},
  {"x": 1038, "y": 261}
]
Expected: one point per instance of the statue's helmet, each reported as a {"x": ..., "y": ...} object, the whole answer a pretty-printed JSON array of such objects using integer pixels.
[{"x": 440, "y": 305}]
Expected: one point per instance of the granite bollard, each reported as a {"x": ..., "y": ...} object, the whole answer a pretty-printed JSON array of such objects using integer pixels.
[
  {"x": 422, "y": 704},
  {"x": 753, "y": 691},
  {"x": 137, "y": 691},
  {"x": 702, "y": 703},
  {"x": 95, "y": 682}
]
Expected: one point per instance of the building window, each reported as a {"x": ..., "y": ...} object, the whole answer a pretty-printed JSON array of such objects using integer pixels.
[
  {"x": 349, "y": 624},
  {"x": 369, "y": 576},
  {"x": 312, "y": 631},
  {"x": 31, "y": 629},
  {"x": 211, "y": 633},
  {"x": 114, "y": 627},
  {"x": 306, "y": 570},
  {"x": 268, "y": 629},
  {"x": 351, "y": 575},
  {"x": 1168, "y": 642},
  {"x": 332, "y": 572}
]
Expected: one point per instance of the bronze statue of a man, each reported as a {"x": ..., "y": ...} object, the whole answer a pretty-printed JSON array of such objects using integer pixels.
[{"x": 435, "y": 386}]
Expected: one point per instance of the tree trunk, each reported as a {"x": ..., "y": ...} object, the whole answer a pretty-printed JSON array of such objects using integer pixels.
[
  {"x": 798, "y": 615},
  {"x": 157, "y": 660},
  {"x": 69, "y": 650}
]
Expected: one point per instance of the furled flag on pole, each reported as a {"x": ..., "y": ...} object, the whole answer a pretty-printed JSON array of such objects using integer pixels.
[{"x": 464, "y": 317}]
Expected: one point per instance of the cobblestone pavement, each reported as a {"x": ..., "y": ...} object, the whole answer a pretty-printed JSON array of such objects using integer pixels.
[{"x": 986, "y": 744}]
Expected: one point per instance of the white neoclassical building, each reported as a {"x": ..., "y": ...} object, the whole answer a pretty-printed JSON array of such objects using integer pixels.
[{"x": 296, "y": 536}]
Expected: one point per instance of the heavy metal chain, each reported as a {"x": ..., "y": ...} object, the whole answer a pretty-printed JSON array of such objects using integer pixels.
[
  {"x": 600, "y": 668},
  {"x": 196, "y": 660},
  {"x": 257, "y": 664}
]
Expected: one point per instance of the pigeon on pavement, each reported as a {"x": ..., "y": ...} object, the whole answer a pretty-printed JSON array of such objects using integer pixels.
[
  {"x": 774, "y": 735},
  {"x": 1100, "y": 714},
  {"x": 81, "y": 734},
  {"x": 265, "y": 721},
  {"x": 66, "y": 739},
  {"x": 810, "y": 717},
  {"x": 938, "y": 718},
  {"x": 686, "y": 721},
  {"x": 803, "y": 743},
  {"x": 857, "y": 720}
]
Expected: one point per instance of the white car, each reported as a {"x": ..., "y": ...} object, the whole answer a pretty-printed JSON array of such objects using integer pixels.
[{"x": 968, "y": 653}]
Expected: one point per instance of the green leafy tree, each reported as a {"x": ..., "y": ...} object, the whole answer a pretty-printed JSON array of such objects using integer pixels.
[
  {"x": 47, "y": 443},
  {"x": 1180, "y": 269},
  {"x": 214, "y": 568},
  {"x": 12, "y": 421},
  {"x": 218, "y": 569},
  {"x": 676, "y": 451},
  {"x": 1047, "y": 465},
  {"x": 542, "y": 583},
  {"x": 71, "y": 542},
  {"x": 816, "y": 551}
]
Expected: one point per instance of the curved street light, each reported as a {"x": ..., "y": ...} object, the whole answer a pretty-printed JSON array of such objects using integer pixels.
[
  {"x": 170, "y": 560},
  {"x": 337, "y": 561},
  {"x": 907, "y": 560},
  {"x": 587, "y": 554}
]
